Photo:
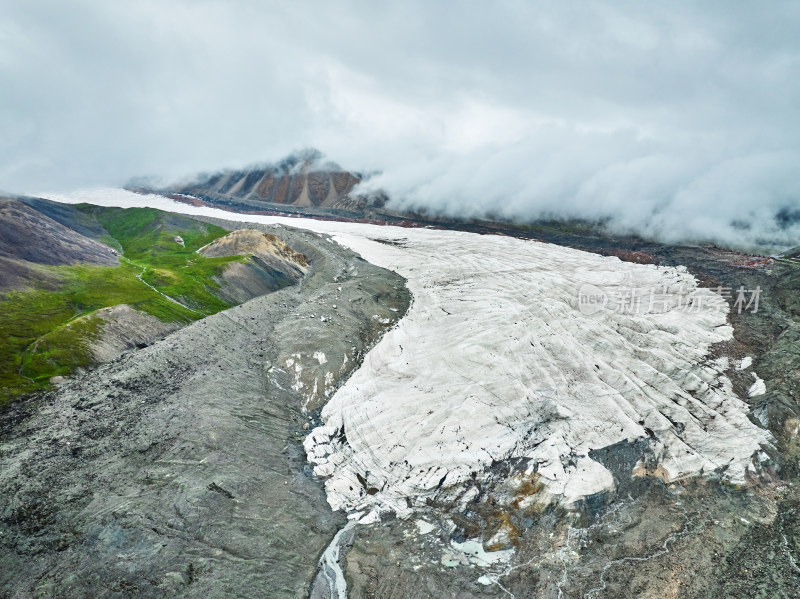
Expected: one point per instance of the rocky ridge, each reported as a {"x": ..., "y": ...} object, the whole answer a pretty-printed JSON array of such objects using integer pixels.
[{"x": 302, "y": 180}]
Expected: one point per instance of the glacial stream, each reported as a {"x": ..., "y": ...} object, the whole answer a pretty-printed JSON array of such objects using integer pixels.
[{"x": 330, "y": 576}]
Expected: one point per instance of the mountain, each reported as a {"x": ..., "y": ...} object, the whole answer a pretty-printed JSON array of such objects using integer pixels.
[{"x": 302, "y": 179}]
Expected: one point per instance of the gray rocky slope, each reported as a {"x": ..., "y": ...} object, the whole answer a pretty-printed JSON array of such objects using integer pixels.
[{"x": 178, "y": 470}]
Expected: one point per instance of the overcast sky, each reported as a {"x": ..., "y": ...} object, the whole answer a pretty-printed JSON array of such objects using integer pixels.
[{"x": 674, "y": 119}]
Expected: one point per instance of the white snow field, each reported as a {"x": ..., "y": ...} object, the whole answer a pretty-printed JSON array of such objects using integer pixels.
[{"x": 495, "y": 360}]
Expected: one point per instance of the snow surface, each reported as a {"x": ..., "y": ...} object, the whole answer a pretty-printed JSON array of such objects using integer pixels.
[
  {"x": 471, "y": 552},
  {"x": 495, "y": 360},
  {"x": 759, "y": 387}
]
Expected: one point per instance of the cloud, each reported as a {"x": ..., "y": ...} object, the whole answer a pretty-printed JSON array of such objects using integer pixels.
[{"x": 674, "y": 120}]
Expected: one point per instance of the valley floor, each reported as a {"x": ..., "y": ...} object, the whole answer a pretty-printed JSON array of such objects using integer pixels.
[{"x": 512, "y": 442}]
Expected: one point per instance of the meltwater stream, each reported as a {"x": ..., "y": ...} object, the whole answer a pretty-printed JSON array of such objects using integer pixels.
[{"x": 330, "y": 581}]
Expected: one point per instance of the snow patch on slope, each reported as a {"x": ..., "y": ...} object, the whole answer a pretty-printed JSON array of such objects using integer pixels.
[{"x": 759, "y": 387}]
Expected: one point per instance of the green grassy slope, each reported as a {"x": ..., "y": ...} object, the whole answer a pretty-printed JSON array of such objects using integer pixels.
[{"x": 35, "y": 341}]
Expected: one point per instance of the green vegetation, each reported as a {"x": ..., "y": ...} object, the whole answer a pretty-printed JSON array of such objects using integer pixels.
[{"x": 46, "y": 332}]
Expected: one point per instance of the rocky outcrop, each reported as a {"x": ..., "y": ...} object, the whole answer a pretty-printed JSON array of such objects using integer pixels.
[
  {"x": 269, "y": 264},
  {"x": 265, "y": 246}
]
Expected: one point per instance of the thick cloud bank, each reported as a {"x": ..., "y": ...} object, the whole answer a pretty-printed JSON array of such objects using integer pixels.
[{"x": 677, "y": 120}]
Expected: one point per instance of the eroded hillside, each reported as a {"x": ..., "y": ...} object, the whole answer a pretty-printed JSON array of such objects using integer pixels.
[
  {"x": 81, "y": 284},
  {"x": 301, "y": 180}
]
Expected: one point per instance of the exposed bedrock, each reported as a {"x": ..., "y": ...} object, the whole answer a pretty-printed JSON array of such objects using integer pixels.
[
  {"x": 179, "y": 469},
  {"x": 269, "y": 264},
  {"x": 300, "y": 180}
]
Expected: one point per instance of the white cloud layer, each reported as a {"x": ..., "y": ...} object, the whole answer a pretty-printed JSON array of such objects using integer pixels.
[{"x": 678, "y": 120}]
